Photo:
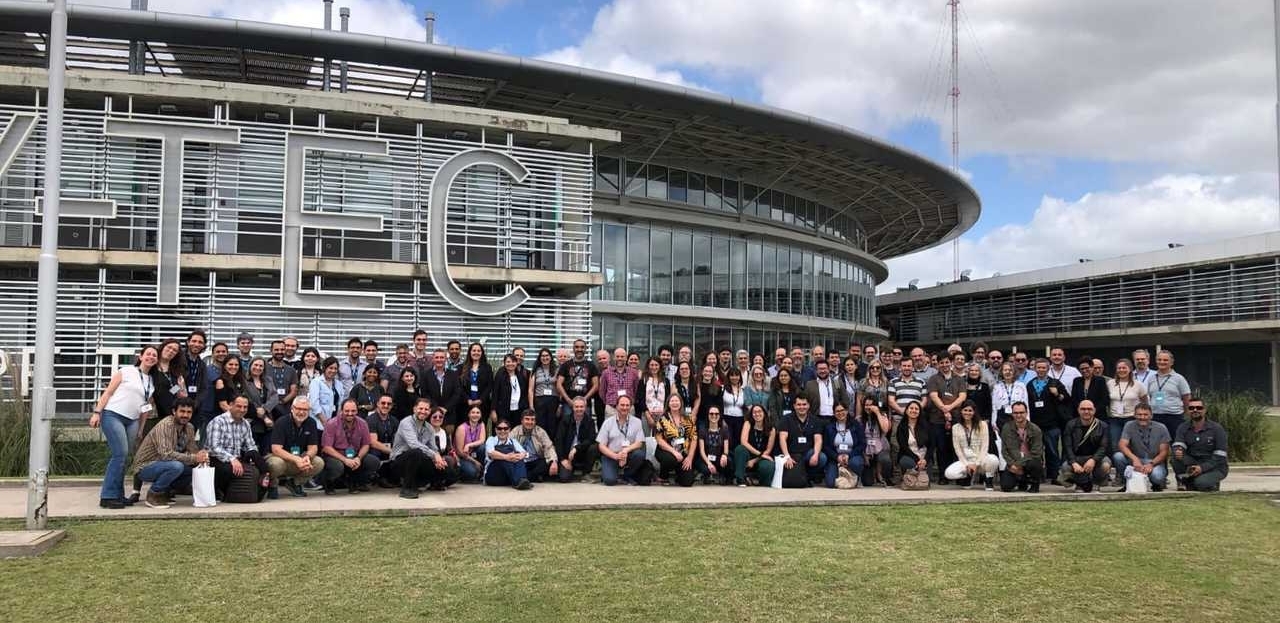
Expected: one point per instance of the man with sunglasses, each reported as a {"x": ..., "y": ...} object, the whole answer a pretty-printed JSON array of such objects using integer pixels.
[
  {"x": 1199, "y": 451},
  {"x": 1021, "y": 369}
]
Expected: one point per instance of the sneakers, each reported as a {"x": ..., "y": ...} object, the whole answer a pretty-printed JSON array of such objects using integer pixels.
[
  {"x": 312, "y": 485},
  {"x": 740, "y": 482},
  {"x": 111, "y": 503},
  {"x": 158, "y": 500},
  {"x": 295, "y": 489},
  {"x": 273, "y": 493},
  {"x": 409, "y": 493},
  {"x": 524, "y": 485}
]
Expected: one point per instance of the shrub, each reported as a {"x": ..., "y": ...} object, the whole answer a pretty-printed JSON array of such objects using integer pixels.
[
  {"x": 1244, "y": 416},
  {"x": 67, "y": 458}
]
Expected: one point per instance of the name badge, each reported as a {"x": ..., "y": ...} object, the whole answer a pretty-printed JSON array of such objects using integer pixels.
[
  {"x": 711, "y": 458},
  {"x": 580, "y": 383},
  {"x": 1159, "y": 397},
  {"x": 947, "y": 394},
  {"x": 688, "y": 410},
  {"x": 786, "y": 412},
  {"x": 1007, "y": 408},
  {"x": 295, "y": 450},
  {"x": 175, "y": 389},
  {"x": 546, "y": 391},
  {"x": 622, "y": 392},
  {"x": 475, "y": 388},
  {"x": 351, "y": 453},
  {"x": 191, "y": 389},
  {"x": 144, "y": 409},
  {"x": 678, "y": 441},
  {"x": 280, "y": 391},
  {"x": 1039, "y": 404},
  {"x": 844, "y": 447},
  {"x": 802, "y": 440}
]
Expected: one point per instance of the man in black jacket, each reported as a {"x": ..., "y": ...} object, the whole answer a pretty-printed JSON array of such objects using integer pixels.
[
  {"x": 576, "y": 442},
  {"x": 1084, "y": 450},
  {"x": 441, "y": 385},
  {"x": 1048, "y": 397}
]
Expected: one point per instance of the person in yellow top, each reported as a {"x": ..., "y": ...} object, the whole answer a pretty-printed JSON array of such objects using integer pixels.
[{"x": 677, "y": 437}]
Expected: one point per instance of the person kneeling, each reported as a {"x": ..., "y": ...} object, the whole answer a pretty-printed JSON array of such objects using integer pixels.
[
  {"x": 168, "y": 453},
  {"x": 576, "y": 442},
  {"x": 800, "y": 437},
  {"x": 1144, "y": 446},
  {"x": 970, "y": 438},
  {"x": 540, "y": 459},
  {"x": 346, "y": 450},
  {"x": 677, "y": 438},
  {"x": 1200, "y": 451},
  {"x": 621, "y": 445},
  {"x": 845, "y": 447},
  {"x": 1023, "y": 450},
  {"x": 295, "y": 442},
  {"x": 505, "y": 465},
  {"x": 713, "y": 459},
  {"x": 231, "y": 444},
  {"x": 417, "y": 454},
  {"x": 1084, "y": 446},
  {"x": 913, "y": 446}
]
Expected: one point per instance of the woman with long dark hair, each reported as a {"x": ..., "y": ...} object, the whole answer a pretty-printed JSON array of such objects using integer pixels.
[
  {"x": 406, "y": 395},
  {"x": 542, "y": 391},
  {"x": 476, "y": 376},
  {"x": 261, "y": 402},
  {"x": 913, "y": 442},
  {"x": 686, "y": 387},
  {"x": 753, "y": 458},
  {"x": 677, "y": 437},
  {"x": 784, "y": 393},
  {"x": 653, "y": 390},
  {"x": 970, "y": 437},
  {"x": 510, "y": 396},
  {"x": 124, "y": 406},
  {"x": 230, "y": 382},
  {"x": 169, "y": 375},
  {"x": 876, "y": 427},
  {"x": 309, "y": 368},
  {"x": 733, "y": 404},
  {"x": 709, "y": 385}
]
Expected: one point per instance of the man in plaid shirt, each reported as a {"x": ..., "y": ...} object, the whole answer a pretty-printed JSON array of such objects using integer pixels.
[{"x": 230, "y": 444}]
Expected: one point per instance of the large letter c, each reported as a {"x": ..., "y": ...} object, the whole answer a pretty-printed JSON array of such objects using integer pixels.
[{"x": 437, "y": 206}]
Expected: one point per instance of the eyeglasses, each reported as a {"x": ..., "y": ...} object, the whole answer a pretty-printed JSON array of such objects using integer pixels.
[
  {"x": 874, "y": 368},
  {"x": 1193, "y": 408},
  {"x": 713, "y": 413},
  {"x": 502, "y": 428}
]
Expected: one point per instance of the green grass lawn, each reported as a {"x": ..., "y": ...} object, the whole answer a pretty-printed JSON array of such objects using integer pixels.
[{"x": 1214, "y": 558}]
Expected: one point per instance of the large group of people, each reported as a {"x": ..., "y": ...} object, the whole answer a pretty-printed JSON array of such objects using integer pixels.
[{"x": 422, "y": 419}]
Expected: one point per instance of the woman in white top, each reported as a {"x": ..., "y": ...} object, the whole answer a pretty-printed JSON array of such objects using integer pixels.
[
  {"x": 121, "y": 411},
  {"x": 970, "y": 438},
  {"x": 734, "y": 396},
  {"x": 1126, "y": 393},
  {"x": 1004, "y": 393}
]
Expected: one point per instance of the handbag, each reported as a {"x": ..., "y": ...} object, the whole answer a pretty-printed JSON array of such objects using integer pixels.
[
  {"x": 202, "y": 490},
  {"x": 915, "y": 480},
  {"x": 845, "y": 478},
  {"x": 1136, "y": 481}
]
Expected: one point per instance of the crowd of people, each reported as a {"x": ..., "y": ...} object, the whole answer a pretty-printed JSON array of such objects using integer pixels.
[{"x": 425, "y": 419}]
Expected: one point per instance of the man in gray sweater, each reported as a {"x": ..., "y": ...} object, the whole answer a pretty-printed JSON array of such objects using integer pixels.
[{"x": 416, "y": 454}]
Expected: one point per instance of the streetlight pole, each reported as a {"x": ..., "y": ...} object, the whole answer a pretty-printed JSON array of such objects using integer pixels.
[{"x": 42, "y": 401}]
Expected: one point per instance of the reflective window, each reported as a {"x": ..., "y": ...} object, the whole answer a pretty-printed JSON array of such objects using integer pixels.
[
  {"x": 656, "y": 187},
  {"x": 638, "y": 264},
  {"x": 614, "y": 244},
  {"x": 730, "y": 195},
  {"x": 720, "y": 272},
  {"x": 714, "y": 200},
  {"x": 660, "y": 258},
  {"x": 635, "y": 181},
  {"x": 682, "y": 268},
  {"x": 769, "y": 271},
  {"x": 754, "y": 295},
  {"x": 738, "y": 272},
  {"x": 607, "y": 175},
  {"x": 678, "y": 186},
  {"x": 697, "y": 190},
  {"x": 702, "y": 271}
]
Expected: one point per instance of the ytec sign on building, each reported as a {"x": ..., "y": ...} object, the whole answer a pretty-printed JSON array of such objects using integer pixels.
[{"x": 545, "y": 197}]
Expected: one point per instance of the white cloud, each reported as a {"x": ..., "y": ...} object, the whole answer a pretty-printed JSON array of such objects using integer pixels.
[
  {"x": 1185, "y": 83},
  {"x": 391, "y": 18},
  {"x": 1183, "y": 209},
  {"x": 618, "y": 63}
]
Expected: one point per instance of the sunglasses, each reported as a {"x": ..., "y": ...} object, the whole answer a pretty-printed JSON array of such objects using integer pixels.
[
  {"x": 502, "y": 428},
  {"x": 1195, "y": 408}
]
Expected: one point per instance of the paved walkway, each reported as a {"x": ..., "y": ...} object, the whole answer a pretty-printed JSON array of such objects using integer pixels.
[{"x": 80, "y": 501}]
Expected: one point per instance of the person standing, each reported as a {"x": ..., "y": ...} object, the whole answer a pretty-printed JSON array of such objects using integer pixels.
[
  {"x": 1169, "y": 392},
  {"x": 351, "y": 369},
  {"x": 1048, "y": 400},
  {"x": 947, "y": 391},
  {"x": 1125, "y": 393},
  {"x": 617, "y": 381},
  {"x": 542, "y": 391},
  {"x": 122, "y": 411},
  {"x": 510, "y": 398}
]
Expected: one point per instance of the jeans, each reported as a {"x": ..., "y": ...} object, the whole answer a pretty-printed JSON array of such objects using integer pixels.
[
  {"x": 940, "y": 450},
  {"x": 812, "y": 473},
  {"x": 164, "y": 474},
  {"x": 611, "y": 472},
  {"x": 335, "y": 470},
  {"x": 1158, "y": 476},
  {"x": 763, "y": 470},
  {"x": 1115, "y": 426},
  {"x": 122, "y": 435},
  {"x": 1088, "y": 479},
  {"x": 584, "y": 460},
  {"x": 415, "y": 469},
  {"x": 1051, "y": 457},
  {"x": 547, "y": 409},
  {"x": 833, "y": 470},
  {"x": 470, "y": 471},
  {"x": 1171, "y": 421},
  {"x": 669, "y": 464},
  {"x": 879, "y": 465},
  {"x": 1032, "y": 471},
  {"x": 907, "y": 462},
  {"x": 504, "y": 473}
]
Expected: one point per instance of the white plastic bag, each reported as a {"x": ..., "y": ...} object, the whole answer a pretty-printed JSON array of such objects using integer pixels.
[
  {"x": 779, "y": 466},
  {"x": 202, "y": 491},
  {"x": 1136, "y": 481},
  {"x": 651, "y": 451}
]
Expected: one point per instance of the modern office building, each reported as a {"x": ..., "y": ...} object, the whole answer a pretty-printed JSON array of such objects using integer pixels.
[
  {"x": 279, "y": 180},
  {"x": 1215, "y": 305}
]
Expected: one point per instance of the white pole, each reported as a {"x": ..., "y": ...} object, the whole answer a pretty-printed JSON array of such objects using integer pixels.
[{"x": 42, "y": 400}]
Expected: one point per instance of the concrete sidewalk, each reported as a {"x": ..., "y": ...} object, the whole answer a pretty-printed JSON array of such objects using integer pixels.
[{"x": 82, "y": 501}]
